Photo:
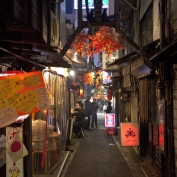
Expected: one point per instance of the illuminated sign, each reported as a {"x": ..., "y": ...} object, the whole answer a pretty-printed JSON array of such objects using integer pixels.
[
  {"x": 90, "y": 4},
  {"x": 110, "y": 120},
  {"x": 129, "y": 134},
  {"x": 161, "y": 127},
  {"x": 106, "y": 78}
]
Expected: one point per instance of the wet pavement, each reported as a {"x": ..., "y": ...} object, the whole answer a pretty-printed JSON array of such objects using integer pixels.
[{"x": 102, "y": 156}]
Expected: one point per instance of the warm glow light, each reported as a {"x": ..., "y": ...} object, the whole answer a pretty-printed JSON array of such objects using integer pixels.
[
  {"x": 109, "y": 120},
  {"x": 129, "y": 134},
  {"x": 71, "y": 73},
  {"x": 81, "y": 93},
  {"x": 92, "y": 73}
]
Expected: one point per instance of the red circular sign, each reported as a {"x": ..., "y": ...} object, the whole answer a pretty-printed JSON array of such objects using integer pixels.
[{"x": 15, "y": 146}]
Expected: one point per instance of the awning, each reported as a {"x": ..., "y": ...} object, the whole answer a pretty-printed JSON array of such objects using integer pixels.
[
  {"x": 151, "y": 48},
  {"x": 26, "y": 45},
  {"x": 167, "y": 52},
  {"x": 72, "y": 56}
]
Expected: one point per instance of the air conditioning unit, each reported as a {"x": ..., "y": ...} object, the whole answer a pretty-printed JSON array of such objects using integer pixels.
[
  {"x": 54, "y": 31},
  {"x": 140, "y": 67}
]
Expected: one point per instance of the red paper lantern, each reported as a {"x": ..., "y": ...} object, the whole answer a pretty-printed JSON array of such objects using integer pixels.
[{"x": 109, "y": 96}]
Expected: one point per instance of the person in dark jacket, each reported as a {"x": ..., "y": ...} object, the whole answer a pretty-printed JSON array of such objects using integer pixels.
[
  {"x": 94, "y": 107},
  {"x": 80, "y": 117},
  {"x": 109, "y": 108},
  {"x": 88, "y": 111}
]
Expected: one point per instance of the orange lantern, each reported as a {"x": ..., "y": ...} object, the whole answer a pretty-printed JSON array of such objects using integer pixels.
[{"x": 109, "y": 96}]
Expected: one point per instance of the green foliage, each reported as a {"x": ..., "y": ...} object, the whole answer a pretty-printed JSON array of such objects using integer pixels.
[{"x": 73, "y": 138}]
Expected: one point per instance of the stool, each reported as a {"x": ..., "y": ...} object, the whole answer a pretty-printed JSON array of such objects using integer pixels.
[
  {"x": 83, "y": 130},
  {"x": 34, "y": 164}
]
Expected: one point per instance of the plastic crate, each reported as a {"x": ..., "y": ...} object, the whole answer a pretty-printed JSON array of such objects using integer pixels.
[{"x": 110, "y": 131}]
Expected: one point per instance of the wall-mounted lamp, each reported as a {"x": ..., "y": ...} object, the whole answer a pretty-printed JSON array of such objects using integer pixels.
[{"x": 71, "y": 73}]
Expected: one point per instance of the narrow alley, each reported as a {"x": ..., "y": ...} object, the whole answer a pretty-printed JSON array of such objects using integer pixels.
[{"x": 102, "y": 156}]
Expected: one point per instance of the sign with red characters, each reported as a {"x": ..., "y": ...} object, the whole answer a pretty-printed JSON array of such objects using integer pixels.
[
  {"x": 129, "y": 134},
  {"x": 110, "y": 120}
]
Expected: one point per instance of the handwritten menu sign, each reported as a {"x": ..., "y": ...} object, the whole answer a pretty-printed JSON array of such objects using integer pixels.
[
  {"x": 21, "y": 94},
  {"x": 43, "y": 101}
]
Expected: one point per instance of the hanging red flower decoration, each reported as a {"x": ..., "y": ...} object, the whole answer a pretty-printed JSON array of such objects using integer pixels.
[
  {"x": 86, "y": 78},
  {"x": 104, "y": 40},
  {"x": 98, "y": 78}
]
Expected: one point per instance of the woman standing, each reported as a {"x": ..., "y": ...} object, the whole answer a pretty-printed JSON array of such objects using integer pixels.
[{"x": 109, "y": 108}]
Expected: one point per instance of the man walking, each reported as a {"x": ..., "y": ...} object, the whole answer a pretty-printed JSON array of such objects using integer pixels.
[
  {"x": 94, "y": 107},
  {"x": 88, "y": 111}
]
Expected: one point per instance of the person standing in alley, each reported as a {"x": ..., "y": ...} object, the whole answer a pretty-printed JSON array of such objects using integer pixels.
[
  {"x": 88, "y": 111},
  {"x": 94, "y": 107},
  {"x": 109, "y": 108}
]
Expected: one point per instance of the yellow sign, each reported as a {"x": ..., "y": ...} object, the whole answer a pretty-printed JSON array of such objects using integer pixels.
[
  {"x": 20, "y": 94},
  {"x": 24, "y": 102},
  {"x": 3, "y": 102},
  {"x": 9, "y": 85},
  {"x": 32, "y": 81}
]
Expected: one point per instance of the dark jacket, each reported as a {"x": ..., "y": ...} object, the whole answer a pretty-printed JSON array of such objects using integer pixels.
[
  {"x": 94, "y": 107},
  {"x": 88, "y": 107},
  {"x": 80, "y": 115},
  {"x": 109, "y": 109}
]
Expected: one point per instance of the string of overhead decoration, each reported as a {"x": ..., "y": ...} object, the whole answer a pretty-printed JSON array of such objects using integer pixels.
[{"x": 106, "y": 39}]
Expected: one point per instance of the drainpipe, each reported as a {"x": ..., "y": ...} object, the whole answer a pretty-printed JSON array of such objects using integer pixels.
[
  {"x": 162, "y": 23},
  {"x": 169, "y": 159},
  {"x": 137, "y": 20}
]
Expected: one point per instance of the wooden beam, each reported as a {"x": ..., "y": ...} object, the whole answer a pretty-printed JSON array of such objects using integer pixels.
[
  {"x": 10, "y": 36},
  {"x": 70, "y": 41},
  {"x": 17, "y": 55},
  {"x": 39, "y": 57},
  {"x": 30, "y": 52},
  {"x": 21, "y": 46},
  {"x": 79, "y": 13},
  {"x": 87, "y": 24}
]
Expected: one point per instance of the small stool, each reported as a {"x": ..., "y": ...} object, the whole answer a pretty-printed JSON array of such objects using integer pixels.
[
  {"x": 83, "y": 130},
  {"x": 34, "y": 164}
]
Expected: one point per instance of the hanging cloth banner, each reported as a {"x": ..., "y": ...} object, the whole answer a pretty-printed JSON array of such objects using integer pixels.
[{"x": 20, "y": 94}]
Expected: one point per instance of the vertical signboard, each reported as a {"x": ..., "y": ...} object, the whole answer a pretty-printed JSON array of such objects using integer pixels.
[
  {"x": 129, "y": 134},
  {"x": 110, "y": 120},
  {"x": 161, "y": 115},
  {"x": 15, "y": 152}
]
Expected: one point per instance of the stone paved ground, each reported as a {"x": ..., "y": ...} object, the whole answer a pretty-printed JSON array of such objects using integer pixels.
[{"x": 93, "y": 162}]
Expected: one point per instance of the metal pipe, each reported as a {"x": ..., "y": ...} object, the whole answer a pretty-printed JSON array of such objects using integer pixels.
[
  {"x": 169, "y": 121},
  {"x": 162, "y": 23}
]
